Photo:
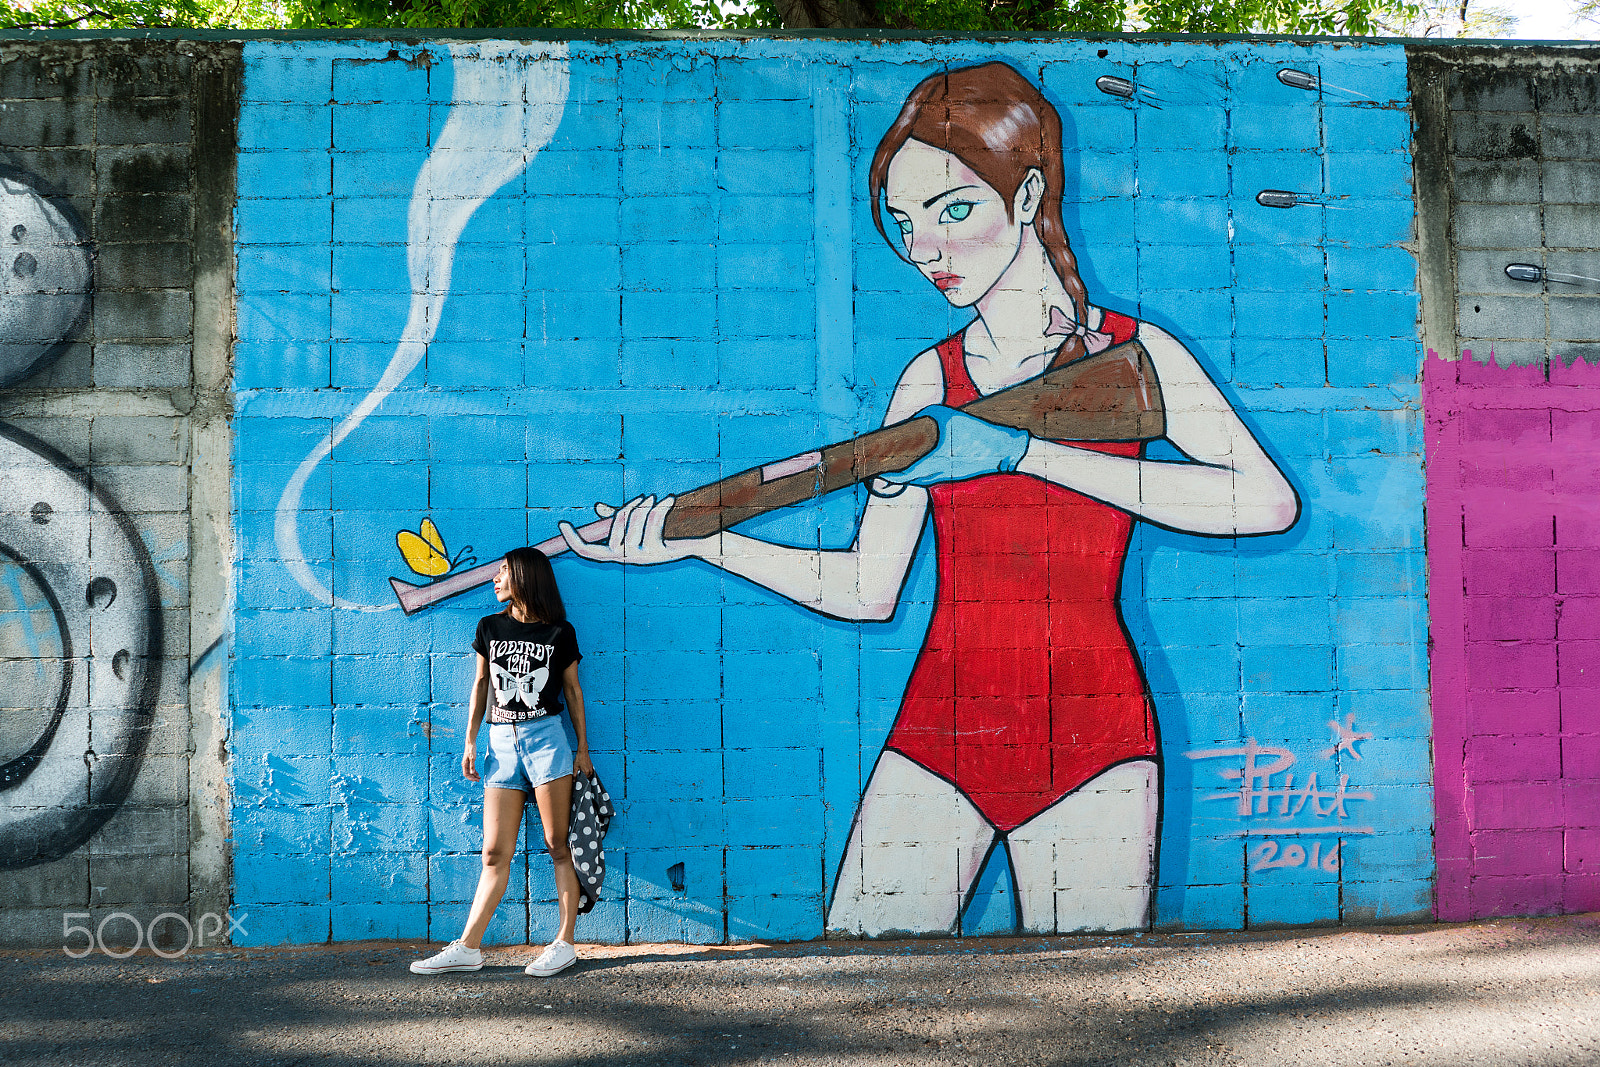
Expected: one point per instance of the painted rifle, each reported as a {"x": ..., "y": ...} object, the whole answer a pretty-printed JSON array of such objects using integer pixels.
[{"x": 1111, "y": 396}]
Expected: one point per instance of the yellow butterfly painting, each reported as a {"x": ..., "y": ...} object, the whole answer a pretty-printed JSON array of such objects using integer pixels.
[{"x": 426, "y": 554}]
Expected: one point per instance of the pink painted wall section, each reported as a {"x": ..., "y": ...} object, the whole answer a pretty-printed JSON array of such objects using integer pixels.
[{"x": 1514, "y": 592}]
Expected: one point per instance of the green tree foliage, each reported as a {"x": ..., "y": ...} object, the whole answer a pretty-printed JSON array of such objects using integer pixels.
[
  {"x": 550, "y": 14},
  {"x": 144, "y": 14},
  {"x": 1421, "y": 18},
  {"x": 1355, "y": 18},
  {"x": 1451, "y": 18}
]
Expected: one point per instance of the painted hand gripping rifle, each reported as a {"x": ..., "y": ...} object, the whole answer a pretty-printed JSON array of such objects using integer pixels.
[{"x": 1111, "y": 396}]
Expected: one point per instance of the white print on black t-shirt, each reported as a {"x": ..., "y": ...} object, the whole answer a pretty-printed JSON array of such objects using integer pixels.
[{"x": 516, "y": 680}]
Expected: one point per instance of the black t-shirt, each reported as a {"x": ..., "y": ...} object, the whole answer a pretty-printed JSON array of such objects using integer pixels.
[{"x": 526, "y": 664}]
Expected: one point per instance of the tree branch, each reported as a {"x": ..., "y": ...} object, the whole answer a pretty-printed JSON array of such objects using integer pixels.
[{"x": 92, "y": 13}]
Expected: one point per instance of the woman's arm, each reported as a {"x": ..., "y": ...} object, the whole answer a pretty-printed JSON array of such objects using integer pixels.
[
  {"x": 860, "y": 582},
  {"x": 1228, "y": 487},
  {"x": 478, "y": 705},
  {"x": 574, "y": 695}
]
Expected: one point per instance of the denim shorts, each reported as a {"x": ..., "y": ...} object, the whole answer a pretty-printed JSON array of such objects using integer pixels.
[{"x": 523, "y": 755}]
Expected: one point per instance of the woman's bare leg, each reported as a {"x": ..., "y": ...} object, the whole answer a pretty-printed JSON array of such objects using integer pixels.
[
  {"x": 1085, "y": 862},
  {"x": 913, "y": 852},
  {"x": 502, "y": 822},
  {"x": 555, "y": 808}
]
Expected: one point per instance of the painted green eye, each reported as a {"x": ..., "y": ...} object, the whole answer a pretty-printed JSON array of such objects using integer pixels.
[
  {"x": 956, "y": 212},
  {"x": 904, "y": 224}
]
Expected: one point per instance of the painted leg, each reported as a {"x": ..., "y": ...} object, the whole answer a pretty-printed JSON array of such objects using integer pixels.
[
  {"x": 1086, "y": 862},
  {"x": 914, "y": 850}
]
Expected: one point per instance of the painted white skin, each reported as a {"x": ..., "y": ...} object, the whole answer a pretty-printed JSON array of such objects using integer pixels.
[
  {"x": 1083, "y": 864},
  {"x": 1086, "y": 862},
  {"x": 955, "y": 229}
]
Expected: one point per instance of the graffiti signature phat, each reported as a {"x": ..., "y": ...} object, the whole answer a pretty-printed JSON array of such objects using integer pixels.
[{"x": 1264, "y": 786}]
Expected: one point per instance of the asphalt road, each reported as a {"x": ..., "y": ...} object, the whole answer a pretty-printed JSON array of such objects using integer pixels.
[{"x": 1523, "y": 992}]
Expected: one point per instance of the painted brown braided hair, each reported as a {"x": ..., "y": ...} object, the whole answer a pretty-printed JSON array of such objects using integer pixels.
[{"x": 996, "y": 122}]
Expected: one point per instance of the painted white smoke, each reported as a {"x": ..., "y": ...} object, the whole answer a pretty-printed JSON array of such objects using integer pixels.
[{"x": 507, "y": 102}]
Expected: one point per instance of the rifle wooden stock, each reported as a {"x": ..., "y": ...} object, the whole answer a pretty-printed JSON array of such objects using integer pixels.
[{"x": 1112, "y": 396}]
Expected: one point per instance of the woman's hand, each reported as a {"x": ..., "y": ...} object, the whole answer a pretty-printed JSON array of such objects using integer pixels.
[
  {"x": 635, "y": 535},
  {"x": 968, "y": 447},
  {"x": 469, "y": 759},
  {"x": 581, "y": 761}
]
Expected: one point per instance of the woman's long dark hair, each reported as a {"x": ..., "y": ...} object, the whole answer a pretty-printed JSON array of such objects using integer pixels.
[
  {"x": 533, "y": 586},
  {"x": 996, "y": 122}
]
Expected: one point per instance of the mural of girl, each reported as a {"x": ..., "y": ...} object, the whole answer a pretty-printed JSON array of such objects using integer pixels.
[{"x": 1026, "y": 717}]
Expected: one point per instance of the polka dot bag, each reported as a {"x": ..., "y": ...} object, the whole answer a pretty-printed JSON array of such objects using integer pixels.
[{"x": 586, "y": 832}]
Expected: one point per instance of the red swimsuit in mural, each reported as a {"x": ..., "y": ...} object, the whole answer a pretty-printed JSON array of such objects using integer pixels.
[{"x": 1026, "y": 686}]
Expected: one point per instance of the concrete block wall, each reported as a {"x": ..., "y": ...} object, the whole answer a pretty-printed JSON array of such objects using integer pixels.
[
  {"x": 1512, "y": 536},
  {"x": 115, "y": 420},
  {"x": 677, "y": 278},
  {"x": 487, "y": 284}
]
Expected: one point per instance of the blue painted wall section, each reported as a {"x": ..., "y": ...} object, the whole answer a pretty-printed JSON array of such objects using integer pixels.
[{"x": 683, "y": 283}]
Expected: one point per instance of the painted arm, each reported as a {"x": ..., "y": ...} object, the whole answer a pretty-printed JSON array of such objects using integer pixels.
[
  {"x": 478, "y": 706},
  {"x": 859, "y": 582},
  {"x": 574, "y": 695},
  {"x": 1227, "y": 487}
]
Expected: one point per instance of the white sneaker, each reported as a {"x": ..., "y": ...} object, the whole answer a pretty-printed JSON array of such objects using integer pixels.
[
  {"x": 553, "y": 960},
  {"x": 456, "y": 956}
]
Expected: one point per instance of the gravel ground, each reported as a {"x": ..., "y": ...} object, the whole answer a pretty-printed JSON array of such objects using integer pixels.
[{"x": 1493, "y": 993}]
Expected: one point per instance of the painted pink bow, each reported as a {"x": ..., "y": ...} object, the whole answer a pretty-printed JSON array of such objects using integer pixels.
[{"x": 1061, "y": 326}]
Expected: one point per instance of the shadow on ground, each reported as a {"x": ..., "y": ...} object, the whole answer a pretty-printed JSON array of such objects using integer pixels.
[{"x": 1492, "y": 993}]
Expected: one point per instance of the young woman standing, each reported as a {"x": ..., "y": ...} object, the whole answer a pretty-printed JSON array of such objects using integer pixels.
[{"x": 527, "y": 661}]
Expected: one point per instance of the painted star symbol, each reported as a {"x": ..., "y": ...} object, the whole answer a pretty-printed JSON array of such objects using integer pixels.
[{"x": 1345, "y": 738}]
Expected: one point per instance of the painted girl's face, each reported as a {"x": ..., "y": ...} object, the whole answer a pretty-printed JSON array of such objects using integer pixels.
[
  {"x": 954, "y": 226},
  {"x": 502, "y": 582}
]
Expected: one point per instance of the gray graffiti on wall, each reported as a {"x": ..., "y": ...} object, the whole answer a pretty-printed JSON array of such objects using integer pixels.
[
  {"x": 80, "y": 619},
  {"x": 45, "y": 275}
]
